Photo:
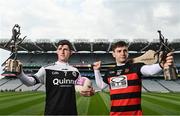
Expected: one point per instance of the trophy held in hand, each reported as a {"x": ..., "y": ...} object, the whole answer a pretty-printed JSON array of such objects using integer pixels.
[
  {"x": 13, "y": 66},
  {"x": 170, "y": 72}
]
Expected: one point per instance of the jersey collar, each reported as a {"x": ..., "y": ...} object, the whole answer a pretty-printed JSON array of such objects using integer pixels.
[
  {"x": 120, "y": 64},
  {"x": 62, "y": 63}
]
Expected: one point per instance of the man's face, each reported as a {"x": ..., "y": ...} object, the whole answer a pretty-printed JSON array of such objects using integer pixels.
[
  {"x": 63, "y": 53},
  {"x": 120, "y": 54}
]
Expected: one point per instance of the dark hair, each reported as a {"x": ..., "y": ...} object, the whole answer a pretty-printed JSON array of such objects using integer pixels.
[
  {"x": 119, "y": 44},
  {"x": 65, "y": 42}
]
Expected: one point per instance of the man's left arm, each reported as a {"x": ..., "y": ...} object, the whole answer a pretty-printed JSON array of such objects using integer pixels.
[
  {"x": 150, "y": 69},
  {"x": 156, "y": 68}
]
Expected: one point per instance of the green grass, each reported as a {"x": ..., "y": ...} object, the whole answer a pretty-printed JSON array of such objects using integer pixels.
[{"x": 32, "y": 103}]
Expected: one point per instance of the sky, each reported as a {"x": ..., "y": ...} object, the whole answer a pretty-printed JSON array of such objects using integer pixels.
[{"x": 90, "y": 19}]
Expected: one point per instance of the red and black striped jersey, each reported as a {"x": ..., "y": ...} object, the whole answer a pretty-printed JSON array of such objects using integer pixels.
[{"x": 125, "y": 89}]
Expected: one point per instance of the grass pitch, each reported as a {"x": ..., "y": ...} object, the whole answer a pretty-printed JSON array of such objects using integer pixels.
[{"x": 32, "y": 103}]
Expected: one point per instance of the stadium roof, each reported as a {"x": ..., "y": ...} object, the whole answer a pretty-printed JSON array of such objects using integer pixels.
[{"x": 80, "y": 45}]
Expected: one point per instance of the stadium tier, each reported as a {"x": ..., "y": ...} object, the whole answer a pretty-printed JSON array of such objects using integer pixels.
[
  {"x": 84, "y": 45},
  {"x": 33, "y": 55},
  {"x": 33, "y": 61},
  {"x": 151, "y": 85}
]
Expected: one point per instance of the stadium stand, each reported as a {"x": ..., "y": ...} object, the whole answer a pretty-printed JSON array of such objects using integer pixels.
[
  {"x": 41, "y": 88},
  {"x": 3, "y": 81},
  {"x": 172, "y": 86},
  {"x": 11, "y": 85},
  {"x": 33, "y": 55},
  {"x": 178, "y": 81},
  {"x": 143, "y": 89},
  {"x": 152, "y": 86},
  {"x": 31, "y": 88}
]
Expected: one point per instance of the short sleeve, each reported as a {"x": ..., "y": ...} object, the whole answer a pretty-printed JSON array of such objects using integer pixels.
[{"x": 137, "y": 67}]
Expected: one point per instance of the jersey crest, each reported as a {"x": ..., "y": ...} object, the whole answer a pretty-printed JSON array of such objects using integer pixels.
[{"x": 118, "y": 82}]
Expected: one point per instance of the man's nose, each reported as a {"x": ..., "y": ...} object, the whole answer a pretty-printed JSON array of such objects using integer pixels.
[
  {"x": 62, "y": 51},
  {"x": 122, "y": 53}
]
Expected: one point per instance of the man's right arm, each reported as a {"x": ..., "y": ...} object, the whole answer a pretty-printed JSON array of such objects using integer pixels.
[
  {"x": 39, "y": 77},
  {"x": 99, "y": 80}
]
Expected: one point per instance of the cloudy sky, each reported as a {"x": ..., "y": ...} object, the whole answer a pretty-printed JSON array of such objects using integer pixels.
[{"x": 90, "y": 19}]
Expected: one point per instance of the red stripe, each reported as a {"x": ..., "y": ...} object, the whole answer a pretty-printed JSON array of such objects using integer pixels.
[
  {"x": 132, "y": 76},
  {"x": 129, "y": 89},
  {"x": 125, "y": 102},
  {"x": 130, "y": 113},
  {"x": 109, "y": 79}
]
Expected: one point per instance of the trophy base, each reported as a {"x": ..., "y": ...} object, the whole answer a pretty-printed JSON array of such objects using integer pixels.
[
  {"x": 12, "y": 68},
  {"x": 9, "y": 74},
  {"x": 170, "y": 74}
]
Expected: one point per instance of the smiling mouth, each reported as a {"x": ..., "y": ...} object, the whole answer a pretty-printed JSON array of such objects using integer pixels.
[{"x": 123, "y": 57}]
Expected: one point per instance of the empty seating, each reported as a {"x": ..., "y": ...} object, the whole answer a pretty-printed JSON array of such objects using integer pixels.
[
  {"x": 26, "y": 88},
  {"x": 3, "y": 81},
  {"x": 153, "y": 86},
  {"x": 171, "y": 85},
  {"x": 11, "y": 85}
]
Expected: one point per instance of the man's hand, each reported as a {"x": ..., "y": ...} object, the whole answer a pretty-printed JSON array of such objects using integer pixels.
[
  {"x": 169, "y": 61},
  {"x": 87, "y": 93},
  {"x": 97, "y": 65}
]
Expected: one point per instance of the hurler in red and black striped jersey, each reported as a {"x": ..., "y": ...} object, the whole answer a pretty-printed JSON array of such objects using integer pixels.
[
  {"x": 124, "y": 80},
  {"x": 125, "y": 89}
]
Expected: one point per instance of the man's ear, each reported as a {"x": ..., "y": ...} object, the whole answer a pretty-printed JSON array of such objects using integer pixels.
[
  {"x": 113, "y": 54},
  {"x": 71, "y": 52},
  {"x": 57, "y": 51}
]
